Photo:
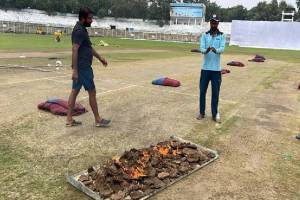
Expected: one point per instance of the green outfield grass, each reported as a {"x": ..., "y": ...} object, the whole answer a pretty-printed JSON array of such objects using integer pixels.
[{"x": 31, "y": 42}]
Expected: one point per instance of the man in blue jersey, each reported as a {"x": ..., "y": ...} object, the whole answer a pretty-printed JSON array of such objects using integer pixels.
[
  {"x": 212, "y": 45},
  {"x": 83, "y": 76}
]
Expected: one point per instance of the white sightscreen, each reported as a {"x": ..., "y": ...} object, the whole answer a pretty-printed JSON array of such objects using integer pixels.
[{"x": 265, "y": 34}]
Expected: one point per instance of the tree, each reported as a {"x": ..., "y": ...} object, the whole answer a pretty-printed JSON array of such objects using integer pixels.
[
  {"x": 235, "y": 13},
  {"x": 260, "y": 12},
  {"x": 129, "y": 8},
  {"x": 283, "y": 6},
  {"x": 274, "y": 11},
  {"x": 159, "y": 10}
]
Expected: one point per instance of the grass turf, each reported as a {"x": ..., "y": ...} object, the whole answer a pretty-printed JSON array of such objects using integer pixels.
[
  {"x": 30, "y": 42},
  {"x": 48, "y": 182}
]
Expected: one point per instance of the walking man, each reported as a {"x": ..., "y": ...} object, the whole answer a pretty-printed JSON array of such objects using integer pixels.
[
  {"x": 212, "y": 46},
  {"x": 82, "y": 75}
]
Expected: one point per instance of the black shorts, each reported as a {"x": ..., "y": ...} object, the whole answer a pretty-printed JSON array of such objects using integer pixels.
[{"x": 85, "y": 79}]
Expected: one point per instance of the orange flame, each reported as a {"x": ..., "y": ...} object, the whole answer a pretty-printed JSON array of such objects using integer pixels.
[
  {"x": 165, "y": 150},
  {"x": 137, "y": 171},
  {"x": 174, "y": 153}
]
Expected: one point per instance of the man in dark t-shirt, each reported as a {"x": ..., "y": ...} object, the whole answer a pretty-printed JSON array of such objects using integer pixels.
[{"x": 82, "y": 58}]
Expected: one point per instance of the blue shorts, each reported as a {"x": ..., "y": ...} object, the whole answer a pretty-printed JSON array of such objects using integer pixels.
[{"x": 85, "y": 79}]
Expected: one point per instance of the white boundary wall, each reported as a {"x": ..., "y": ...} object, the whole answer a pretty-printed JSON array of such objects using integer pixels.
[{"x": 265, "y": 34}]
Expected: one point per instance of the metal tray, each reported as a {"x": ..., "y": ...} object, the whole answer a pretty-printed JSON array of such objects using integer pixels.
[{"x": 73, "y": 180}]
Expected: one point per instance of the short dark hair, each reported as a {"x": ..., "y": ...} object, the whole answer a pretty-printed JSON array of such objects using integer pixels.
[{"x": 84, "y": 12}]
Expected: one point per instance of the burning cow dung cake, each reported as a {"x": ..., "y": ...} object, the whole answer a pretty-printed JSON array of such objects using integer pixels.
[{"x": 140, "y": 173}]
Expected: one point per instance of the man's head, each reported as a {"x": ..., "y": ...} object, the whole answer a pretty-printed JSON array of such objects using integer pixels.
[
  {"x": 214, "y": 23},
  {"x": 86, "y": 17}
]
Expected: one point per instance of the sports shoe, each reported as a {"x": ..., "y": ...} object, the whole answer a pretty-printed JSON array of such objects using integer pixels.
[
  {"x": 73, "y": 123},
  {"x": 217, "y": 118},
  {"x": 200, "y": 117},
  {"x": 103, "y": 123}
]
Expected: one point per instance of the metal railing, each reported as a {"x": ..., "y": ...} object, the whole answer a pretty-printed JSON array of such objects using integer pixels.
[{"x": 31, "y": 28}]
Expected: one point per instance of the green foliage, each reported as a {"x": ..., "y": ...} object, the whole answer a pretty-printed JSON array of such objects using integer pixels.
[
  {"x": 235, "y": 13},
  {"x": 129, "y": 8}
]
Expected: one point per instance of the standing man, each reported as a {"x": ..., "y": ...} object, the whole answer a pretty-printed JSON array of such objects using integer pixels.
[
  {"x": 82, "y": 58},
  {"x": 212, "y": 46}
]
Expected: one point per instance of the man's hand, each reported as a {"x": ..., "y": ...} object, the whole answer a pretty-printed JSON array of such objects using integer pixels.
[
  {"x": 103, "y": 61},
  {"x": 100, "y": 58},
  {"x": 208, "y": 50},
  {"x": 75, "y": 75},
  {"x": 214, "y": 50}
]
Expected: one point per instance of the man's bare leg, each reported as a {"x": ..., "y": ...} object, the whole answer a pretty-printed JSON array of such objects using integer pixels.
[
  {"x": 71, "y": 105},
  {"x": 94, "y": 105}
]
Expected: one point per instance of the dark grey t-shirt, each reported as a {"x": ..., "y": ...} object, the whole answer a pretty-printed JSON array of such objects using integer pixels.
[{"x": 81, "y": 37}]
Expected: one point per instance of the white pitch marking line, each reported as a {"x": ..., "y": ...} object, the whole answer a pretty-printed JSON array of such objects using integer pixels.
[
  {"x": 186, "y": 94},
  {"x": 32, "y": 80},
  {"x": 110, "y": 91},
  {"x": 58, "y": 81}
]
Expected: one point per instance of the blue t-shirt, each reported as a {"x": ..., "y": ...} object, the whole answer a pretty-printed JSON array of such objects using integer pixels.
[
  {"x": 212, "y": 61},
  {"x": 81, "y": 37}
]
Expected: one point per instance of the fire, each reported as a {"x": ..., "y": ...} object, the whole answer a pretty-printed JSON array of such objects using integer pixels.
[
  {"x": 174, "y": 153},
  {"x": 137, "y": 173},
  {"x": 165, "y": 150},
  {"x": 162, "y": 150},
  {"x": 143, "y": 164},
  {"x": 138, "y": 170}
]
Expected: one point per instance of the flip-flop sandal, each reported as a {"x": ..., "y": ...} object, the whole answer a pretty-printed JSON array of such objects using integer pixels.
[
  {"x": 73, "y": 123},
  {"x": 103, "y": 123}
]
